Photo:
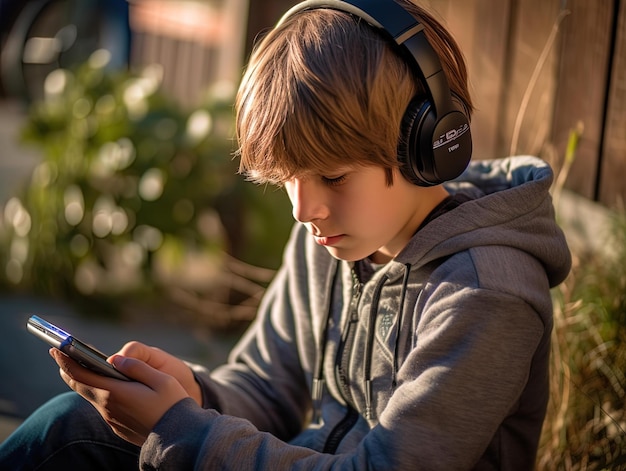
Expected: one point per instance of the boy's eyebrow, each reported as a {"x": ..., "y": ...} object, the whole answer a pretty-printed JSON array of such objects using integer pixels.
[{"x": 337, "y": 170}]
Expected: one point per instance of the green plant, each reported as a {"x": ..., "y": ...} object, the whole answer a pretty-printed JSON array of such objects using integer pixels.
[{"x": 132, "y": 193}]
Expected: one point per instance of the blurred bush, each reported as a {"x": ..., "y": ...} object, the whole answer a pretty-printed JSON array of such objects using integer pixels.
[{"x": 135, "y": 197}]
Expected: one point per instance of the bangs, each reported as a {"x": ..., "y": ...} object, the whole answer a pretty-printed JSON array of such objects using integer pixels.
[{"x": 308, "y": 141}]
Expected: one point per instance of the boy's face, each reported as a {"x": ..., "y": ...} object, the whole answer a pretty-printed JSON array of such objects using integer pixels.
[{"x": 354, "y": 213}]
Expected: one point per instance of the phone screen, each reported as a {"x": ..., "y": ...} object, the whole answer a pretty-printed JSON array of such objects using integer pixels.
[{"x": 85, "y": 354}]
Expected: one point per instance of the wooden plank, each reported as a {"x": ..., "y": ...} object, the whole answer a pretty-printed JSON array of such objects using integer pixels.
[
  {"x": 586, "y": 38},
  {"x": 612, "y": 191},
  {"x": 487, "y": 65},
  {"x": 527, "y": 105},
  {"x": 483, "y": 25}
]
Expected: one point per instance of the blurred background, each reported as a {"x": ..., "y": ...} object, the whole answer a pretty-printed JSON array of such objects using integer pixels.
[{"x": 122, "y": 217}]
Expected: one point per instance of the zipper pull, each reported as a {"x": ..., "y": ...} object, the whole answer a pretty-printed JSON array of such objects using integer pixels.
[
  {"x": 368, "y": 400},
  {"x": 316, "y": 395},
  {"x": 356, "y": 294},
  {"x": 356, "y": 285}
]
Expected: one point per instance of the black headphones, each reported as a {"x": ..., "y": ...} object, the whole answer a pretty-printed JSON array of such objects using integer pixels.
[{"x": 435, "y": 143}]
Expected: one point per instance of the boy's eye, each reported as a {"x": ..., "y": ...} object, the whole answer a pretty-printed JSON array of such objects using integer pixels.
[{"x": 334, "y": 180}]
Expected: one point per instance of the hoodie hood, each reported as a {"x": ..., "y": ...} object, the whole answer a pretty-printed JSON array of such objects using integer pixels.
[{"x": 511, "y": 206}]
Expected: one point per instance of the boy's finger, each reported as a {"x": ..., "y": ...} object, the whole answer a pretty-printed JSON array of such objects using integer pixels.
[
  {"x": 138, "y": 370},
  {"x": 77, "y": 373},
  {"x": 153, "y": 356}
]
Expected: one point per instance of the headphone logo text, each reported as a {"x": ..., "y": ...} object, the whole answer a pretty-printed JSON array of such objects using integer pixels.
[{"x": 451, "y": 136}]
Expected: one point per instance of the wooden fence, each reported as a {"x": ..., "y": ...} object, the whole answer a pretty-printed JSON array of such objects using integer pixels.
[
  {"x": 539, "y": 69},
  {"x": 542, "y": 68},
  {"x": 198, "y": 42}
]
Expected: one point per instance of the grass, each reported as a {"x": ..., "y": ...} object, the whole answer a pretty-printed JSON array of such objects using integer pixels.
[{"x": 585, "y": 427}]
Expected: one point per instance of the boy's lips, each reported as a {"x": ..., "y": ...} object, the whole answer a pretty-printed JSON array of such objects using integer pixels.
[{"x": 328, "y": 241}]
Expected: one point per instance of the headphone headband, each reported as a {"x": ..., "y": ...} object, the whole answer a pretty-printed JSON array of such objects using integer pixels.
[{"x": 393, "y": 21}]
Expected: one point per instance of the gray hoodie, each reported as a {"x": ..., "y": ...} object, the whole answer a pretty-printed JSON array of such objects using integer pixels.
[{"x": 436, "y": 360}]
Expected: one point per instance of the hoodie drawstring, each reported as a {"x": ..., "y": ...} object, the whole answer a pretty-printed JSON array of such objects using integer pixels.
[
  {"x": 396, "y": 366},
  {"x": 369, "y": 347},
  {"x": 318, "y": 377}
]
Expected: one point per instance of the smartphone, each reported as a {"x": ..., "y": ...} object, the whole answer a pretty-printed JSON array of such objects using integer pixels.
[{"x": 86, "y": 355}]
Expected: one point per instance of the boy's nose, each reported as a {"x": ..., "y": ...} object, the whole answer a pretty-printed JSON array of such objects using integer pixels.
[{"x": 306, "y": 200}]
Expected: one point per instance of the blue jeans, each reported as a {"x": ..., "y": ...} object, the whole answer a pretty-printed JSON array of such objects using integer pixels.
[{"x": 66, "y": 433}]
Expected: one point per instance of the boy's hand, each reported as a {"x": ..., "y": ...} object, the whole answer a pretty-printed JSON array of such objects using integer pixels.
[
  {"x": 131, "y": 408},
  {"x": 165, "y": 363}
]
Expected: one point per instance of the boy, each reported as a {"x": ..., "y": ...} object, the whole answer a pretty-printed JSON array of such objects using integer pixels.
[{"x": 409, "y": 325}]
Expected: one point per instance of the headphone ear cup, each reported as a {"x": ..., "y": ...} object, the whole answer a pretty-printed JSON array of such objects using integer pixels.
[
  {"x": 412, "y": 160},
  {"x": 432, "y": 151},
  {"x": 459, "y": 104}
]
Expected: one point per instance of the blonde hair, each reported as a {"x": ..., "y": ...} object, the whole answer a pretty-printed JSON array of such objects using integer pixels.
[{"x": 324, "y": 90}]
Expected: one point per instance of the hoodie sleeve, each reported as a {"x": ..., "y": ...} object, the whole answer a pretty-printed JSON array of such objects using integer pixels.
[
  {"x": 264, "y": 380},
  {"x": 261, "y": 397}
]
